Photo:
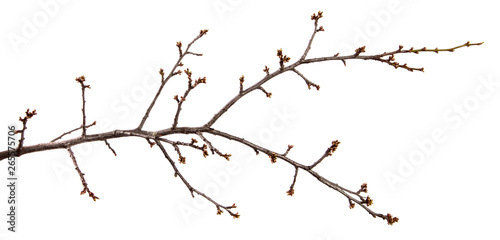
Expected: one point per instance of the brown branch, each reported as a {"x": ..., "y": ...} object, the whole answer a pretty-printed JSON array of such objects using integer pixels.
[
  {"x": 66, "y": 133},
  {"x": 192, "y": 144},
  {"x": 268, "y": 94},
  {"x": 172, "y": 73},
  {"x": 291, "y": 191},
  {"x": 82, "y": 177},
  {"x": 242, "y": 79},
  {"x": 309, "y": 83},
  {"x": 364, "y": 202},
  {"x": 354, "y": 197},
  {"x": 81, "y": 80},
  {"x": 288, "y": 150},
  {"x": 103, "y": 136},
  {"x": 24, "y": 121},
  {"x": 212, "y": 148},
  {"x": 109, "y": 146},
  {"x": 191, "y": 189},
  {"x": 315, "y": 18},
  {"x": 336, "y": 57},
  {"x": 191, "y": 86},
  {"x": 328, "y": 152}
]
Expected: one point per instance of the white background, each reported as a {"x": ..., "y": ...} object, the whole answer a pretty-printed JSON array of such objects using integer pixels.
[{"x": 377, "y": 112}]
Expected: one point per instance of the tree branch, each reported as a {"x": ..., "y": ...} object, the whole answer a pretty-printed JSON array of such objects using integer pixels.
[
  {"x": 159, "y": 137},
  {"x": 82, "y": 177},
  {"x": 170, "y": 75},
  {"x": 21, "y": 141},
  {"x": 66, "y": 133},
  {"x": 81, "y": 80},
  {"x": 191, "y": 189}
]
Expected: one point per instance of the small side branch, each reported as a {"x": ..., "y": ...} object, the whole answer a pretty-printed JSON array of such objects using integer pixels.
[
  {"x": 82, "y": 177},
  {"x": 291, "y": 191},
  {"x": 191, "y": 189},
  {"x": 352, "y": 196},
  {"x": 315, "y": 17},
  {"x": 24, "y": 121},
  {"x": 328, "y": 152},
  {"x": 192, "y": 144},
  {"x": 437, "y": 50},
  {"x": 66, "y": 133},
  {"x": 288, "y": 150},
  {"x": 182, "y": 160},
  {"x": 191, "y": 86},
  {"x": 309, "y": 83},
  {"x": 172, "y": 73},
  {"x": 81, "y": 80},
  {"x": 212, "y": 148},
  {"x": 109, "y": 146},
  {"x": 242, "y": 79},
  {"x": 268, "y": 94}
]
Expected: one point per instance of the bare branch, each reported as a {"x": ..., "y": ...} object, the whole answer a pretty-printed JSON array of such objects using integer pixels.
[
  {"x": 212, "y": 148},
  {"x": 349, "y": 194},
  {"x": 24, "y": 121},
  {"x": 157, "y": 137},
  {"x": 81, "y": 80},
  {"x": 183, "y": 98},
  {"x": 242, "y": 79},
  {"x": 172, "y": 73},
  {"x": 291, "y": 191},
  {"x": 315, "y": 18},
  {"x": 191, "y": 189},
  {"x": 66, "y": 133},
  {"x": 109, "y": 146},
  {"x": 328, "y": 152},
  {"x": 268, "y": 94},
  {"x": 304, "y": 60},
  {"x": 82, "y": 177},
  {"x": 309, "y": 83},
  {"x": 288, "y": 150}
]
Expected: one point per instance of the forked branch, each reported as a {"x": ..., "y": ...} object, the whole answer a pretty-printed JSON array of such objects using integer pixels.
[{"x": 160, "y": 137}]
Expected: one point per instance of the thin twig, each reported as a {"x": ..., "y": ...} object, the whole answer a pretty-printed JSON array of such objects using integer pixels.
[
  {"x": 354, "y": 197},
  {"x": 109, "y": 146},
  {"x": 81, "y": 80},
  {"x": 172, "y": 73},
  {"x": 212, "y": 148},
  {"x": 190, "y": 87},
  {"x": 82, "y": 177},
  {"x": 24, "y": 121},
  {"x": 309, "y": 83},
  {"x": 192, "y": 145},
  {"x": 364, "y": 202},
  {"x": 66, "y": 133},
  {"x": 291, "y": 191},
  {"x": 288, "y": 150},
  {"x": 327, "y": 153},
  {"x": 191, "y": 189}
]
